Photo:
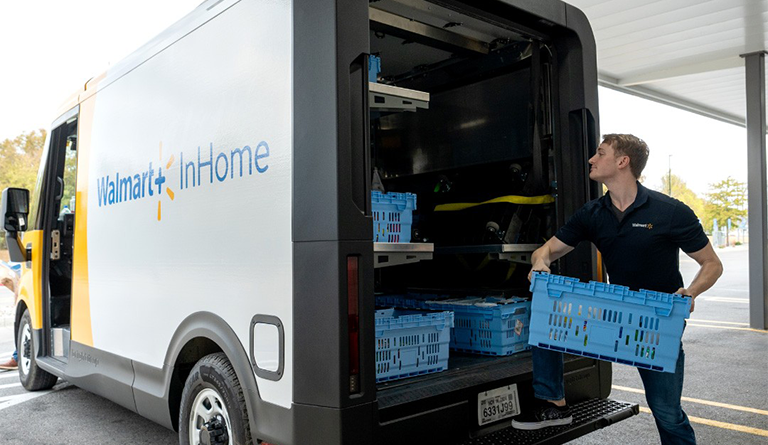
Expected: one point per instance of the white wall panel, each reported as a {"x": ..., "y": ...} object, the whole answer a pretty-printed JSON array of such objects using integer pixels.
[{"x": 221, "y": 246}]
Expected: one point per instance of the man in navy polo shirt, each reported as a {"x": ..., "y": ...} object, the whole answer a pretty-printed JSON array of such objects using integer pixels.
[{"x": 639, "y": 233}]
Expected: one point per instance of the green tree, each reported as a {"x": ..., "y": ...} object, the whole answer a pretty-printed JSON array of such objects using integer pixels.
[
  {"x": 681, "y": 191},
  {"x": 20, "y": 159},
  {"x": 726, "y": 200},
  {"x": 19, "y": 162}
]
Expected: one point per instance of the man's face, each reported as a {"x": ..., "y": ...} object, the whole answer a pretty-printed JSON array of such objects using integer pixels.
[{"x": 604, "y": 164}]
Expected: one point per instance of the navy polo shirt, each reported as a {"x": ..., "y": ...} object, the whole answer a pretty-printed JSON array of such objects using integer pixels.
[{"x": 641, "y": 251}]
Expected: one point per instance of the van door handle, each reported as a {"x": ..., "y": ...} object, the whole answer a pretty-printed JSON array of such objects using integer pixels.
[
  {"x": 61, "y": 188},
  {"x": 360, "y": 155}
]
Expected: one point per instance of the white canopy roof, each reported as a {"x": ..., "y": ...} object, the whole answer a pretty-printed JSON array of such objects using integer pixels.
[{"x": 682, "y": 52}]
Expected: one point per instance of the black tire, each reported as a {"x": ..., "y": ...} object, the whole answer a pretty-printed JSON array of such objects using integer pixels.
[
  {"x": 32, "y": 377},
  {"x": 213, "y": 380}
]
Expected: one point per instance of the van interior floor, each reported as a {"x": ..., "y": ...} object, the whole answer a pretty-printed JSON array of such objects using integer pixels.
[{"x": 464, "y": 371}]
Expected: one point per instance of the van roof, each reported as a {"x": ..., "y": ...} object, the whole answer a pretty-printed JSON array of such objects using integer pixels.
[{"x": 204, "y": 12}]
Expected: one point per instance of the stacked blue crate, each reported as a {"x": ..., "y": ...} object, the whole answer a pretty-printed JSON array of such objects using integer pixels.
[
  {"x": 392, "y": 216},
  {"x": 489, "y": 325},
  {"x": 411, "y": 343},
  {"x": 374, "y": 68},
  {"x": 408, "y": 301}
]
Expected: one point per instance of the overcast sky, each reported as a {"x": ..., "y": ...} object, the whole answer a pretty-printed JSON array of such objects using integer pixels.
[
  {"x": 51, "y": 48},
  {"x": 704, "y": 151}
]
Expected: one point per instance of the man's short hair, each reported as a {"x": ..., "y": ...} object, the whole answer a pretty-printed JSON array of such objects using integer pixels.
[{"x": 632, "y": 146}]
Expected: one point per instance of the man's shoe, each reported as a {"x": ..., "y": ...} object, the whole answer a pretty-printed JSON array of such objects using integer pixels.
[
  {"x": 10, "y": 365},
  {"x": 542, "y": 415}
]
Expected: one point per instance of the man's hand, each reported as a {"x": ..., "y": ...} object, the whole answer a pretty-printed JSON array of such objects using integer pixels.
[
  {"x": 538, "y": 267},
  {"x": 544, "y": 255},
  {"x": 687, "y": 293}
]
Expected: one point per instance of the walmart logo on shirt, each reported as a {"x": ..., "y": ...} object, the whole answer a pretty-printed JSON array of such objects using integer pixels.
[{"x": 648, "y": 226}]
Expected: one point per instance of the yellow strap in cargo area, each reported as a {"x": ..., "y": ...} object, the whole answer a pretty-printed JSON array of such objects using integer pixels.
[{"x": 512, "y": 199}]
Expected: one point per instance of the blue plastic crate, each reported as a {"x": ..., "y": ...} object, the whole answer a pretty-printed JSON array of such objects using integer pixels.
[
  {"x": 401, "y": 301},
  {"x": 608, "y": 322},
  {"x": 374, "y": 68},
  {"x": 392, "y": 216},
  {"x": 410, "y": 344},
  {"x": 411, "y": 300},
  {"x": 490, "y": 325},
  {"x": 13, "y": 267}
]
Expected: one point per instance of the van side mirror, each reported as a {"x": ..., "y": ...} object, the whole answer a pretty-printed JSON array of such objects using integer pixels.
[{"x": 15, "y": 209}]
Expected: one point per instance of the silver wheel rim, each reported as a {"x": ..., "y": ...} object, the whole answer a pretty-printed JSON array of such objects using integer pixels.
[
  {"x": 207, "y": 405},
  {"x": 24, "y": 356}
]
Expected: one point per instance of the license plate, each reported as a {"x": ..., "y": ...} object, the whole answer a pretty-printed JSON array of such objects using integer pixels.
[{"x": 497, "y": 404}]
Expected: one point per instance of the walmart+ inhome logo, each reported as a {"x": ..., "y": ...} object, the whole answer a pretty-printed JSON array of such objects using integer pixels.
[{"x": 146, "y": 183}]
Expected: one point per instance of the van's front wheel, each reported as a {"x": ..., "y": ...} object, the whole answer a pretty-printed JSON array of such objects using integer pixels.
[
  {"x": 32, "y": 377},
  {"x": 213, "y": 405}
]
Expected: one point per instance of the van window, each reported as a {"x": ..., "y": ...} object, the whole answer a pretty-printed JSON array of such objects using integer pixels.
[{"x": 69, "y": 175}]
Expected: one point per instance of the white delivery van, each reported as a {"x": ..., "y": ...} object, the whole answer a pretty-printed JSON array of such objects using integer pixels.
[{"x": 214, "y": 269}]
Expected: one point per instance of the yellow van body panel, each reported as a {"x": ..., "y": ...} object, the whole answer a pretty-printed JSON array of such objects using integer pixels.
[
  {"x": 82, "y": 331},
  {"x": 29, "y": 285}
]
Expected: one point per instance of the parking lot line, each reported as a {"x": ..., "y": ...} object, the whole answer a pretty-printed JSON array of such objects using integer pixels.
[
  {"x": 10, "y": 385},
  {"x": 701, "y": 401},
  {"x": 22, "y": 398},
  {"x": 725, "y": 299},
  {"x": 701, "y": 320},
  {"x": 718, "y": 424},
  {"x": 727, "y": 327}
]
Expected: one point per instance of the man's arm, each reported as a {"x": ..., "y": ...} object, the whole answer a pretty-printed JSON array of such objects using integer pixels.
[
  {"x": 710, "y": 270},
  {"x": 544, "y": 255}
]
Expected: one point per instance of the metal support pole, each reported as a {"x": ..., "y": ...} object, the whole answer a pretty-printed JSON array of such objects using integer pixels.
[{"x": 756, "y": 188}]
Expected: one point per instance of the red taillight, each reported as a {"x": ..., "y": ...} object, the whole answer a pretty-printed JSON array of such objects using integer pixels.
[{"x": 353, "y": 323}]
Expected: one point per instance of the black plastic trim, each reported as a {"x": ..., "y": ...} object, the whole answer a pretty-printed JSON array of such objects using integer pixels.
[
  {"x": 261, "y": 372},
  {"x": 45, "y": 363},
  {"x": 150, "y": 393},
  {"x": 102, "y": 373},
  {"x": 321, "y": 346},
  {"x": 329, "y": 83},
  {"x": 333, "y": 426}
]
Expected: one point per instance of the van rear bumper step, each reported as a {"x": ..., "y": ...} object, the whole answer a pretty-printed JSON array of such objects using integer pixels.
[{"x": 588, "y": 416}]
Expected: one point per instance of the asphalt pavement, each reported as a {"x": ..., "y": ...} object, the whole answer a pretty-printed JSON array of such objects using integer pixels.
[{"x": 726, "y": 396}]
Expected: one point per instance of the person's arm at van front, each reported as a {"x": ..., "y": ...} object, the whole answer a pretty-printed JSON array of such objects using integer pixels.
[
  {"x": 710, "y": 270},
  {"x": 544, "y": 255}
]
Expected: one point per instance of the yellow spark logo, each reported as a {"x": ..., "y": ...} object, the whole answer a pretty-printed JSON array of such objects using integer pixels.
[{"x": 161, "y": 179}]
